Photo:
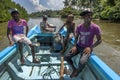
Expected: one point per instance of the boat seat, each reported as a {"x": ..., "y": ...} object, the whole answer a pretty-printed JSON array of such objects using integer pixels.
[
  {"x": 49, "y": 54},
  {"x": 28, "y": 63},
  {"x": 44, "y": 47},
  {"x": 45, "y": 39}
]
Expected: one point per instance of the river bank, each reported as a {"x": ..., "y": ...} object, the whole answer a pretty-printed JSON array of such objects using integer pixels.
[{"x": 3, "y": 38}]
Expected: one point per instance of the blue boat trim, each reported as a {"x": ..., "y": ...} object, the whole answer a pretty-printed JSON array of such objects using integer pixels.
[
  {"x": 103, "y": 68},
  {"x": 6, "y": 53}
]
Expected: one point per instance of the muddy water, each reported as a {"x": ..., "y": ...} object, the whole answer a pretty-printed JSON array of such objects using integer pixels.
[{"x": 108, "y": 50}]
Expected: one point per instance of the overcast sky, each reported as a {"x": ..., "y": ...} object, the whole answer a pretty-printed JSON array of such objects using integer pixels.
[{"x": 38, "y": 5}]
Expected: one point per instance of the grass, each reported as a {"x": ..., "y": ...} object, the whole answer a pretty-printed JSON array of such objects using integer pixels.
[{"x": 3, "y": 30}]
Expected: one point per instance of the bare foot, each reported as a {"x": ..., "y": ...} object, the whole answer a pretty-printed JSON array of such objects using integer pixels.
[
  {"x": 36, "y": 61},
  {"x": 67, "y": 71},
  {"x": 74, "y": 73}
]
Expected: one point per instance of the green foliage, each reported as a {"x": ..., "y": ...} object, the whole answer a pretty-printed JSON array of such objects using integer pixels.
[
  {"x": 111, "y": 13},
  {"x": 4, "y": 9},
  {"x": 103, "y": 9},
  {"x": 68, "y": 10},
  {"x": 49, "y": 13},
  {"x": 105, "y": 13},
  {"x": 108, "y": 10}
]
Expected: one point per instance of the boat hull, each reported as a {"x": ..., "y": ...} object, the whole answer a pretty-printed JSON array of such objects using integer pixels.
[{"x": 11, "y": 68}]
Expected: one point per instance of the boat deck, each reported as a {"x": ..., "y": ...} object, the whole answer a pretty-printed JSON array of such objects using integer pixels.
[{"x": 47, "y": 69}]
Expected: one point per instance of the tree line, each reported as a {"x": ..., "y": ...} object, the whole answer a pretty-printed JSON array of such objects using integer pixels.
[
  {"x": 6, "y": 5},
  {"x": 49, "y": 13},
  {"x": 103, "y": 9}
]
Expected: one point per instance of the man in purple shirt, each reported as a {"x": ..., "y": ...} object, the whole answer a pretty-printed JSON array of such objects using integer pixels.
[
  {"x": 15, "y": 33},
  {"x": 84, "y": 44}
]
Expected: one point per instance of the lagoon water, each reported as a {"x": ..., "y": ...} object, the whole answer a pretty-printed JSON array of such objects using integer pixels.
[{"x": 108, "y": 50}]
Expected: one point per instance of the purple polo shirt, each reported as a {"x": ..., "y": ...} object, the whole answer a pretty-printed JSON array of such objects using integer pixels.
[
  {"x": 87, "y": 34},
  {"x": 17, "y": 27}
]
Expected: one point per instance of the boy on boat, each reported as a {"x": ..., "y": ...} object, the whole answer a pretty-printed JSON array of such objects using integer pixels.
[
  {"x": 45, "y": 26},
  {"x": 15, "y": 33},
  {"x": 84, "y": 44},
  {"x": 70, "y": 26}
]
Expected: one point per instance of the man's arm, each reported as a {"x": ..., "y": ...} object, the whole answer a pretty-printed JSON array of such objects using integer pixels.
[
  {"x": 74, "y": 29},
  {"x": 76, "y": 39},
  {"x": 51, "y": 26},
  {"x": 99, "y": 40},
  {"x": 61, "y": 28},
  {"x": 9, "y": 36},
  {"x": 74, "y": 49},
  {"x": 88, "y": 50}
]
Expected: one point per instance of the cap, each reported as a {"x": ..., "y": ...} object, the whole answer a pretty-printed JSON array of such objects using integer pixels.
[
  {"x": 14, "y": 10},
  {"x": 45, "y": 16},
  {"x": 85, "y": 11}
]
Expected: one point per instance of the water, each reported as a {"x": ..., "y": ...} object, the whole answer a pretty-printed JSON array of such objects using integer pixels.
[
  {"x": 110, "y": 32},
  {"x": 55, "y": 21},
  {"x": 108, "y": 50}
]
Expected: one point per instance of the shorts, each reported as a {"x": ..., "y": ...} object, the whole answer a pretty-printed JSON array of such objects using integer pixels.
[{"x": 21, "y": 38}]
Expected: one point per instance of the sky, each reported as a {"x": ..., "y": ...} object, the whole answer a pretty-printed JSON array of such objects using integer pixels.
[{"x": 39, "y": 5}]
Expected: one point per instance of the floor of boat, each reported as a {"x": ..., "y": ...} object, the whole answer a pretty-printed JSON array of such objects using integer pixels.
[{"x": 48, "y": 68}]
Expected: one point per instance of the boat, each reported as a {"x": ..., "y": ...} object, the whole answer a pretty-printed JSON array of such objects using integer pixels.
[{"x": 52, "y": 65}]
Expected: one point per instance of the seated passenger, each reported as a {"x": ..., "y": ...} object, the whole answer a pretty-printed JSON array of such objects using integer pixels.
[
  {"x": 15, "y": 34},
  {"x": 45, "y": 26},
  {"x": 84, "y": 42},
  {"x": 70, "y": 25}
]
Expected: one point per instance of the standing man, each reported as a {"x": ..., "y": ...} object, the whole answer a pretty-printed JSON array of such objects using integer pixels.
[
  {"x": 15, "y": 33},
  {"x": 84, "y": 41}
]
